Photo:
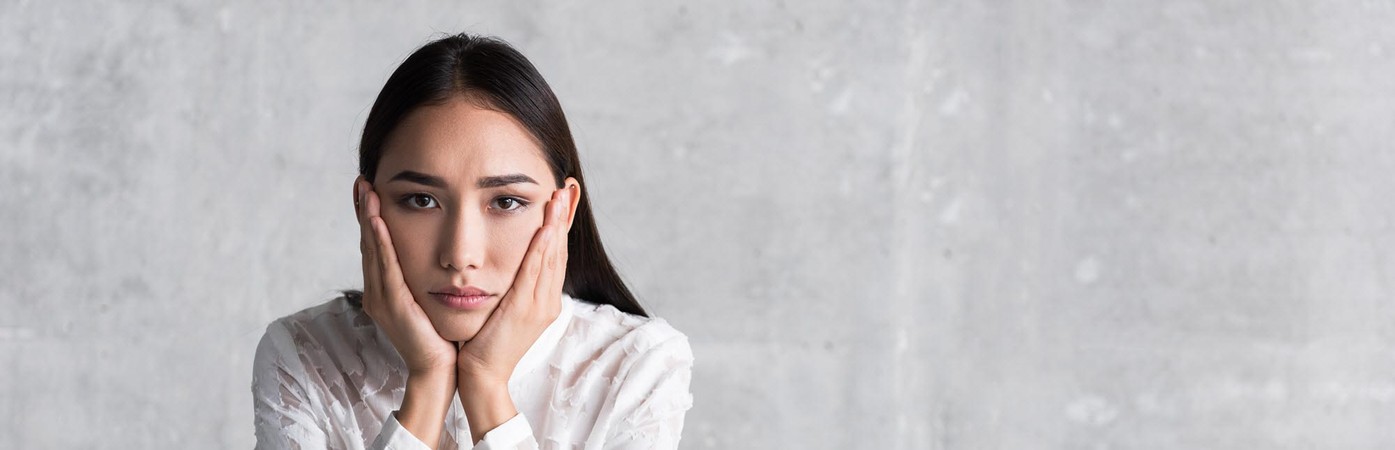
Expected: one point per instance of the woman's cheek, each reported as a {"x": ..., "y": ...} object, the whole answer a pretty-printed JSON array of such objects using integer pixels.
[
  {"x": 512, "y": 242},
  {"x": 397, "y": 231},
  {"x": 411, "y": 253}
]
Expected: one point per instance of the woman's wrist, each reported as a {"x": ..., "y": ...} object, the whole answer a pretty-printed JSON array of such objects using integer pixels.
[
  {"x": 487, "y": 404},
  {"x": 424, "y": 404}
]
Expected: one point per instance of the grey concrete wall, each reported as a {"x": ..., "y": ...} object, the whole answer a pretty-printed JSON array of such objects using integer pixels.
[{"x": 943, "y": 225}]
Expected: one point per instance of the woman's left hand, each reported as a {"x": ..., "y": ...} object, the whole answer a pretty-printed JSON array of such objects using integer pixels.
[{"x": 531, "y": 304}]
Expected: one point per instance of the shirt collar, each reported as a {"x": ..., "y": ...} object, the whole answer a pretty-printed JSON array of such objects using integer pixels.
[{"x": 546, "y": 342}]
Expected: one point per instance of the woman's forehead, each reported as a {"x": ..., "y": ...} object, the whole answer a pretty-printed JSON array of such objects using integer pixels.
[{"x": 460, "y": 141}]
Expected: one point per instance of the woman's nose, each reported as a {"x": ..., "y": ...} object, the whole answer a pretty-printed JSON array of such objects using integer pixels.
[{"x": 461, "y": 245}]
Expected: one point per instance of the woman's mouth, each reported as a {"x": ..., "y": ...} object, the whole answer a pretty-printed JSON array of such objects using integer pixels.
[{"x": 466, "y": 298}]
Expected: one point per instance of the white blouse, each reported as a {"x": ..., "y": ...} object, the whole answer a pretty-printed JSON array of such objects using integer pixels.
[{"x": 597, "y": 378}]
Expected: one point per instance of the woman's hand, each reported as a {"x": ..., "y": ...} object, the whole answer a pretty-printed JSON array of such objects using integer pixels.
[
  {"x": 386, "y": 299},
  {"x": 485, "y": 362}
]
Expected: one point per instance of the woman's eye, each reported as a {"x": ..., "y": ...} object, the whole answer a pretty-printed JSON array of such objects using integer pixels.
[
  {"x": 420, "y": 201},
  {"x": 509, "y": 203}
]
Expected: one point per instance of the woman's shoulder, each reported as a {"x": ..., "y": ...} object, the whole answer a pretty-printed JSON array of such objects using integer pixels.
[
  {"x": 335, "y": 326},
  {"x": 602, "y": 326},
  {"x": 641, "y": 365},
  {"x": 329, "y": 319}
]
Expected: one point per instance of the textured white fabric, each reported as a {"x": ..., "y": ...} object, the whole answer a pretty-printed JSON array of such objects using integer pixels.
[{"x": 597, "y": 378}]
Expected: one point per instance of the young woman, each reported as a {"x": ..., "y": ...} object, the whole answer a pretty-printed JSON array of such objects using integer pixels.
[{"x": 490, "y": 314}]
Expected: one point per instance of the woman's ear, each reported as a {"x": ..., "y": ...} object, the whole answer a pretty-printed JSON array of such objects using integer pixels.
[
  {"x": 357, "y": 197},
  {"x": 574, "y": 190}
]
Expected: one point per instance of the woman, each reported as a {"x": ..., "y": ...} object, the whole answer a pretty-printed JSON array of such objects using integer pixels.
[{"x": 490, "y": 313}]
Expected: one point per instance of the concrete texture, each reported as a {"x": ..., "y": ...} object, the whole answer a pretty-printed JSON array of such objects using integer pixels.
[{"x": 943, "y": 225}]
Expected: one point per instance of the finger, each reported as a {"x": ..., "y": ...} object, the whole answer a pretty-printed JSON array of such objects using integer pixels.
[
  {"x": 367, "y": 244},
  {"x": 360, "y": 213},
  {"x": 372, "y": 218},
  {"x": 390, "y": 270},
  {"x": 525, "y": 282},
  {"x": 375, "y": 229},
  {"x": 553, "y": 292},
  {"x": 551, "y": 271},
  {"x": 564, "y": 251},
  {"x": 547, "y": 253}
]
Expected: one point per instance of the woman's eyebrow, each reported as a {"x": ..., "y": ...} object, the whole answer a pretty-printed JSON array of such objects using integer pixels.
[
  {"x": 419, "y": 178},
  {"x": 504, "y": 180},
  {"x": 483, "y": 183}
]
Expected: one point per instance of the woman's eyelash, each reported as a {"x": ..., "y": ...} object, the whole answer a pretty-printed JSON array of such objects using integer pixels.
[
  {"x": 508, "y": 204},
  {"x": 408, "y": 200},
  {"x": 518, "y": 203}
]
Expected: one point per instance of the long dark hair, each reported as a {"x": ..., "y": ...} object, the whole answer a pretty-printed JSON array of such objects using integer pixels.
[{"x": 489, "y": 70}]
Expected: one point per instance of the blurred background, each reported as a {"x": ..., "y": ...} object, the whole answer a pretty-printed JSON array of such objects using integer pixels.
[{"x": 901, "y": 225}]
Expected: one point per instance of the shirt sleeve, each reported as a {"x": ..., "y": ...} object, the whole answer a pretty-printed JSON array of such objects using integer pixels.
[
  {"x": 513, "y": 434},
  {"x": 644, "y": 412},
  {"x": 648, "y": 409},
  {"x": 282, "y": 416},
  {"x": 287, "y": 413},
  {"x": 395, "y": 437}
]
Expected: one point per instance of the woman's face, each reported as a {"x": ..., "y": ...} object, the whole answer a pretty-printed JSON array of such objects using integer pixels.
[{"x": 463, "y": 190}]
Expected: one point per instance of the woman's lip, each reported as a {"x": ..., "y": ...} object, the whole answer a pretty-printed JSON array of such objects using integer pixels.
[
  {"x": 463, "y": 302},
  {"x": 467, "y": 291}
]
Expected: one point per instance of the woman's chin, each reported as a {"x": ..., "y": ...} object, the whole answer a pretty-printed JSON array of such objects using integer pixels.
[
  {"x": 457, "y": 329},
  {"x": 459, "y": 336},
  {"x": 456, "y": 325}
]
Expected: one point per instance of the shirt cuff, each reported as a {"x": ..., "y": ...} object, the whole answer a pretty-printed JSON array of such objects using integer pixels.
[
  {"x": 394, "y": 437},
  {"x": 513, "y": 433}
]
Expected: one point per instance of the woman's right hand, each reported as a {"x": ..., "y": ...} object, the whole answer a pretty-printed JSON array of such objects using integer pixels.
[
  {"x": 430, "y": 358},
  {"x": 386, "y": 298}
]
